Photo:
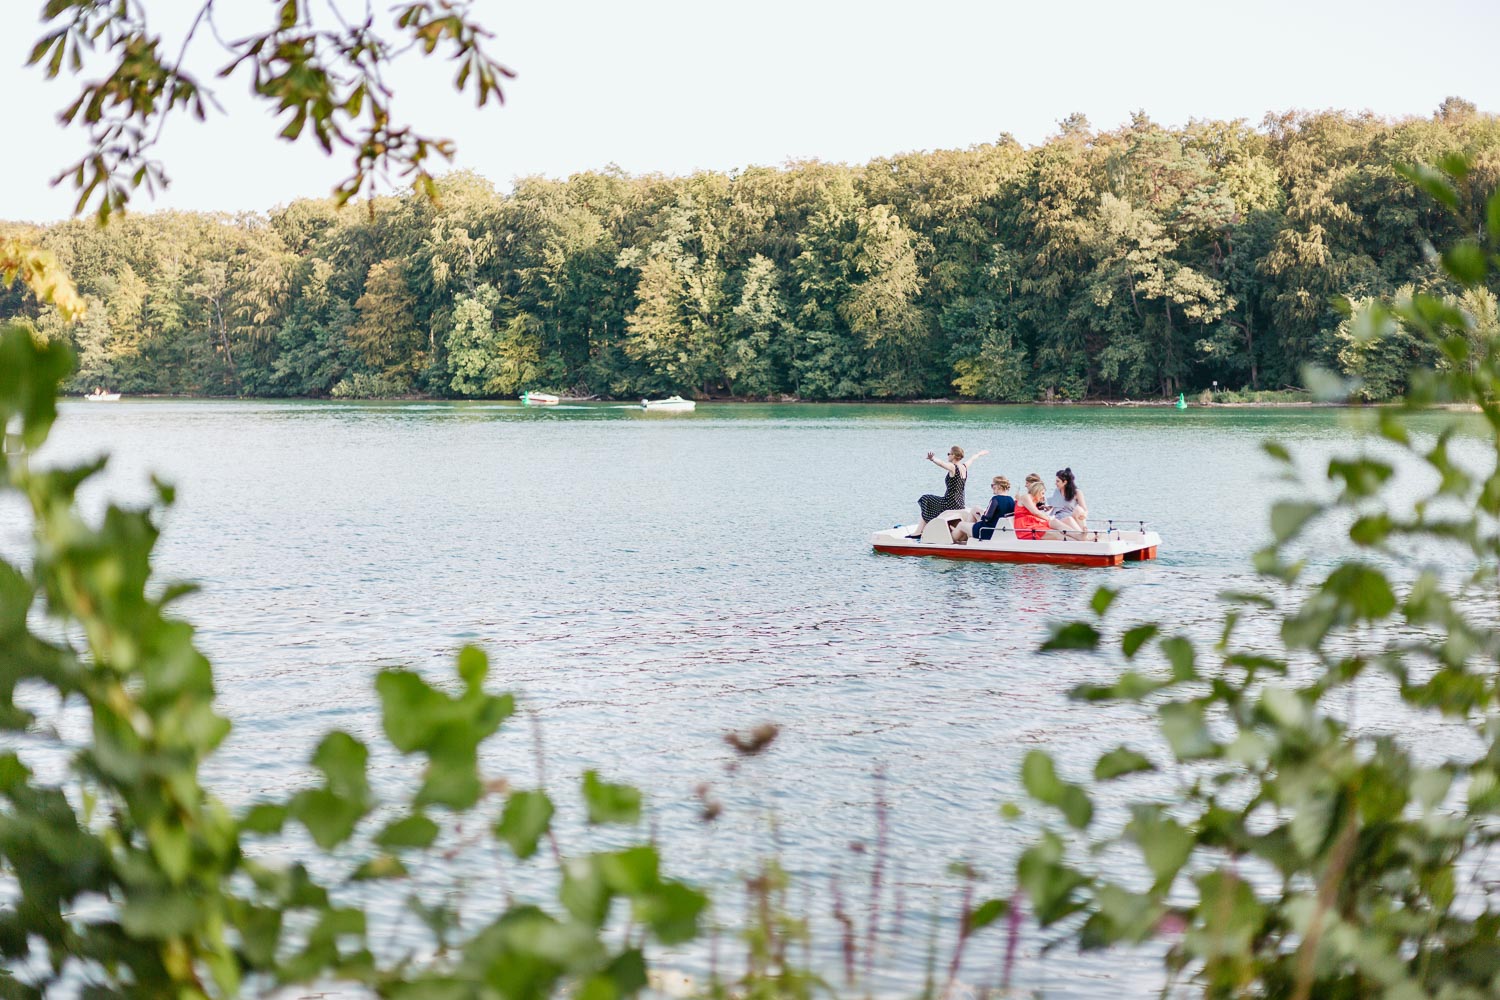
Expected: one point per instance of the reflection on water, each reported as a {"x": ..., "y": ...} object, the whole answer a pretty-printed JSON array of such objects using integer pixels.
[{"x": 650, "y": 581}]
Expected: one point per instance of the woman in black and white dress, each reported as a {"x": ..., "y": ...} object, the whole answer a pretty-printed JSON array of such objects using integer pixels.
[{"x": 957, "y": 469}]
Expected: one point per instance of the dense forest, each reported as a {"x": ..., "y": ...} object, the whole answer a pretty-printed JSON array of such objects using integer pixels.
[{"x": 1139, "y": 262}]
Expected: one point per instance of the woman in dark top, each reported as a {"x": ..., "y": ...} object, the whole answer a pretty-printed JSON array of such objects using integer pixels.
[
  {"x": 1002, "y": 504},
  {"x": 932, "y": 505}
]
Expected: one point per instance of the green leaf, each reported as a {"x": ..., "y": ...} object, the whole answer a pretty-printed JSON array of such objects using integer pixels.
[
  {"x": 1180, "y": 655},
  {"x": 1372, "y": 323},
  {"x": 583, "y": 893},
  {"x": 1429, "y": 786},
  {"x": 1131, "y": 685},
  {"x": 1492, "y": 212},
  {"x": 342, "y": 760},
  {"x": 1186, "y": 732},
  {"x": 1431, "y": 181},
  {"x": 413, "y": 711},
  {"x": 379, "y": 867},
  {"x": 329, "y": 817},
  {"x": 1362, "y": 590},
  {"x": 264, "y": 818},
  {"x": 1121, "y": 916},
  {"x": 1050, "y": 884},
  {"x": 1165, "y": 844},
  {"x": 609, "y": 803},
  {"x": 625, "y": 976},
  {"x": 30, "y": 373},
  {"x": 630, "y": 872},
  {"x": 1362, "y": 477},
  {"x": 1132, "y": 641},
  {"x": 473, "y": 667},
  {"x": 1277, "y": 451},
  {"x": 452, "y": 779},
  {"x": 171, "y": 846},
  {"x": 1120, "y": 761},
  {"x": 1102, "y": 599},
  {"x": 1312, "y": 824},
  {"x": 987, "y": 913},
  {"x": 1285, "y": 708},
  {"x": 1288, "y": 517},
  {"x": 1076, "y": 806},
  {"x": 671, "y": 910},
  {"x": 1041, "y": 781},
  {"x": 1455, "y": 165},
  {"x": 1371, "y": 529},
  {"x": 149, "y": 915},
  {"x": 1326, "y": 386},
  {"x": 1466, "y": 263},
  {"x": 416, "y": 830},
  {"x": 527, "y": 816},
  {"x": 1039, "y": 777},
  {"x": 1072, "y": 635}
]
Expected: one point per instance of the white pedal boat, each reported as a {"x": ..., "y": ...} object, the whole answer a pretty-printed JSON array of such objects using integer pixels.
[
  {"x": 670, "y": 403},
  {"x": 103, "y": 397},
  {"x": 538, "y": 399},
  {"x": 1106, "y": 543}
]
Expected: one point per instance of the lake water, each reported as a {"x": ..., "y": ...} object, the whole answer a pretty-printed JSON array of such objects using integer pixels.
[{"x": 647, "y": 582}]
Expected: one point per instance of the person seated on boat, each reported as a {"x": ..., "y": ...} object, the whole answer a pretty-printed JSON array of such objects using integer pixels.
[
  {"x": 1066, "y": 502},
  {"x": 1033, "y": 522},
  {"x": 982, "y": 523},
  {"x": 959, "y": 532},
  {"x": 931, "y": 505}
]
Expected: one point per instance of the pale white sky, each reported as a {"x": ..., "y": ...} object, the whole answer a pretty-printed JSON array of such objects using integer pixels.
[{"x": 679, "y": 85}]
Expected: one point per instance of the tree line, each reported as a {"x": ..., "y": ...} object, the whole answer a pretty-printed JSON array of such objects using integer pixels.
[{"x": 1138, "y": 262}]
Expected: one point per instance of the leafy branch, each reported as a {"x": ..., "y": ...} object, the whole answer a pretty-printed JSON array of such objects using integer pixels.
[
  {"x": 1296, "y": 852},
  {"x": 323, "y": 73}
]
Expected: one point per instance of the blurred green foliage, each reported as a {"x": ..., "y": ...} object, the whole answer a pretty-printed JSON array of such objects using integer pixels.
[
  {"x": 1280, "y": 842},
  {"x": 190, "y": 908}
]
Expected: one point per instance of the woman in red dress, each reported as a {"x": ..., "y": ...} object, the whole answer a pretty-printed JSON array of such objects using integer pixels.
[{"x": 1032, "y": 521}]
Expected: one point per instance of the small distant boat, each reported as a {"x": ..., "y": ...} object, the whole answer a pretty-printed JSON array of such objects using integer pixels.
[
  {"x": 670, "y": 403},
  {"x": 102, "y": 397},
  {"x": 538, "y": 399}
]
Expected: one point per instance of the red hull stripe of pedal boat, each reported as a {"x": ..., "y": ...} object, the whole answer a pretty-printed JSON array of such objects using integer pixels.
[{"x": 983, "y": 555}]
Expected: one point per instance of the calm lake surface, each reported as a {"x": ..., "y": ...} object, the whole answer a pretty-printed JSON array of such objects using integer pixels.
[{"x": 648, "y": 582}]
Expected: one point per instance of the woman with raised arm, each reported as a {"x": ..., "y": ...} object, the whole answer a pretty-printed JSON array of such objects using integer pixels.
[{"x": 957, "y": 471}]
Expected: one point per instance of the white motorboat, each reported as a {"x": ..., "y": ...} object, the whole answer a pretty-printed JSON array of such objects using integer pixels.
[
  {"x": 102, "y": 397},
  {"x": 1104, "y": 543},
  {"x": 538, "y": 399},
  {"x": 670, "y": 403}
]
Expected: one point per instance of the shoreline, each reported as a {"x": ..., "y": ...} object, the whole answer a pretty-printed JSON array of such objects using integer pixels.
[{"x": 1304, "y": 404}]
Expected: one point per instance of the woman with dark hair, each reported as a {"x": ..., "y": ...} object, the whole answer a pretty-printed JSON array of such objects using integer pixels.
[
  {"x": 932, "y": 505},
  {"x": 1066, "y": 502}
]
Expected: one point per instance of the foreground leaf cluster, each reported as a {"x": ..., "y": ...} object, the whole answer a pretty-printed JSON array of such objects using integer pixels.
[
  {"x": 131, "y": 878},
  {"x": 1277, "y": 841}
]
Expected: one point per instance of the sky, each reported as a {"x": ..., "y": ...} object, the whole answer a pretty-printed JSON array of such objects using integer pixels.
[{"x": 674, "y": 86}]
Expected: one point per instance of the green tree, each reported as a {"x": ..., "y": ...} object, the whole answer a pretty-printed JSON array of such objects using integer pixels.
[
  {"x": 488, "y": 360},
  {"x": 881, "y": 305},
  {"x": 759, "y": 332}
]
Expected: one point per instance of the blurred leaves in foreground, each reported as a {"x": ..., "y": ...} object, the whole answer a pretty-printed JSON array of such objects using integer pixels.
[{"x": 1280, "y": 842}]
